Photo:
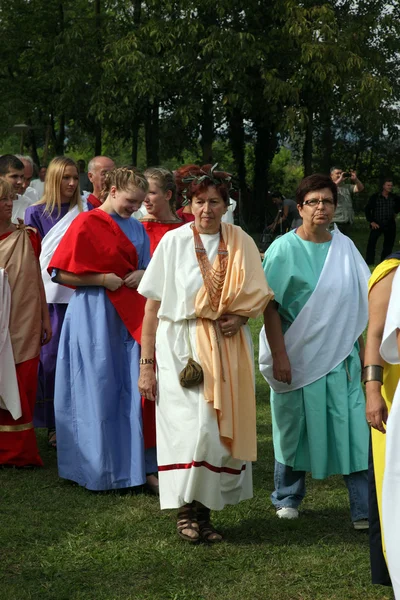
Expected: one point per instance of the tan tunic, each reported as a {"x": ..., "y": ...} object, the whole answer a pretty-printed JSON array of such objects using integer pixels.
[{"x": 18, "y": 259}]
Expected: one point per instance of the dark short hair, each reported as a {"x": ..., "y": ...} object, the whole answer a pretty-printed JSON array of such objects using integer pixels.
[
  {"x": 9, "y": 161},
  {"x": 385, "y": 179},
  {"x": 276, "y": 194},
  {"x": 313, "y": 183}
]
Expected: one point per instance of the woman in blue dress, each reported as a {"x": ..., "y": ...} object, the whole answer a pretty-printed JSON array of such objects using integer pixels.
[
  {"x": 310, "y": 354},
  {"x": 97, "y": 402}
]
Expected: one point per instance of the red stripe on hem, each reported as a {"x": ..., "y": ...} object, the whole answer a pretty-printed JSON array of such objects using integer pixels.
[{"x": 203, "y": 463}]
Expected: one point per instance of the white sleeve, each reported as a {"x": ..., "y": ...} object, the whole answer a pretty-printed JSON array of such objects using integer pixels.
[
  {"x": 153, "y": 280},
  {"x": 389, "y": 350}
]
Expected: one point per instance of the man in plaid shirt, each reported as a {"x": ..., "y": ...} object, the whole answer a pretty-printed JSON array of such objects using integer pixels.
[{"x": 381, "y": 211}]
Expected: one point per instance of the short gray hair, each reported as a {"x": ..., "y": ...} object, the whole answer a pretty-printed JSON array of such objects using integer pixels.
[{"x": 28, "y": 159}]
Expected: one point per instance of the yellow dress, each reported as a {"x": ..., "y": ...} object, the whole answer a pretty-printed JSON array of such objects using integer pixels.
[{"x": 391, "y": 375}]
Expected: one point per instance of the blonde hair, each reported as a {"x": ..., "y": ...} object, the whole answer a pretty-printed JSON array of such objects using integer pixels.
[
  {"x": 165, "y": 181},
  {"x": 52, "y": 190},
  {"x": 123, "y": 178},
  {"x": 6, "y": 189}
]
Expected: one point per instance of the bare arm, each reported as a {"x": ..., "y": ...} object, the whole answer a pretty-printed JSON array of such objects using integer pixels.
[
  {"x": 379, "y": 296},
  {"x": 108, "y": 280},
  {"x": 274, "y": 222},
  {"x": 147, "y": 379},
  {"x": 274, "y": 333},
  {"x": 285, "y": 213},
  {"x": 283, "y": 216},
  {"x": 46, "y": 325},
  {"x": 358, "y": 186},
  {"x": 362, "y": 350}
]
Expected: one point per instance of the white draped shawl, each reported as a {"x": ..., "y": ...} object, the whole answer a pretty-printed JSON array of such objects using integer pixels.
[
  {"x": 55, "y": 293},
  {"x": 325, "y": 330},
  {"x": 391, "y": 477}
]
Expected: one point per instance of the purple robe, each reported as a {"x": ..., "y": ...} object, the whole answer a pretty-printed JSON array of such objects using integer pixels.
[{"x": 44, "y": 409}]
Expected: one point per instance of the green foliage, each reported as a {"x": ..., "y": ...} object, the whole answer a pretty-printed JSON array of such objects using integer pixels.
[
  {"x": 158, "y": 81},
  {"x": 285, "y": 173}
]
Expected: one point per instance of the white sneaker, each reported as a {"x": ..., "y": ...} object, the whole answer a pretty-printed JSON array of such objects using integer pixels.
[
  {"x": 361, "y": 524},
  {"x": 287, "y": 513}
]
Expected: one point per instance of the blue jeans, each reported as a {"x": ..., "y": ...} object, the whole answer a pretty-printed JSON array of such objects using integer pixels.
[{"x": 290, "y": 489}]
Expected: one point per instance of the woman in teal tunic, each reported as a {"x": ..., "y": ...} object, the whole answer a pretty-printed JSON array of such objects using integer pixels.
[{"x": 310, "y": 354}]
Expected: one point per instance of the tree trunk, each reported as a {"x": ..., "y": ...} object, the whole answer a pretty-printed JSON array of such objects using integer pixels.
[
  {"x": 308, "y": 143},
  {"x": 136, "y": 121},
  {"x": 327, "y": 142},
  {"x": 156, "y": 133},
  {"x": 207, "y": 129},
  {"x": 237, "y": 143},
  {"x": 60, "y": 137},
  {"x": 32, "y": 146},
  {"x": 152, "y": 134},
  {"x": 264, "y": 151},
  {"x": 98, "y": 138},
  {"x": 98, "y": 35},
  {"x": 135, "y": 140},
  {"x": 47, "y": 143},
  {"x": 137, "y": 12}
]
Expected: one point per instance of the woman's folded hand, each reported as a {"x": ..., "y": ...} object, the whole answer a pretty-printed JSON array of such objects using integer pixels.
[
  {"x": 133, "y": 279},
  {"x": 231, "y": 324}
]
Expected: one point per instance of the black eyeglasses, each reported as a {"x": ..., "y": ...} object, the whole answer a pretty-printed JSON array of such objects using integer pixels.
[{"x": 314, "y": 202}]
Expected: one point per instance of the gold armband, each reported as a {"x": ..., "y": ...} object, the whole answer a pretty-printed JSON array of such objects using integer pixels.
[{"x": 372, "y": 373}]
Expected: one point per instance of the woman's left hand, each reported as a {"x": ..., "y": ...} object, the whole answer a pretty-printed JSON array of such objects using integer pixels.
[
  {"x": 147, "y": 382},
  {"x": 231, "y": 324},
  {"x": 133, "y": 279}
]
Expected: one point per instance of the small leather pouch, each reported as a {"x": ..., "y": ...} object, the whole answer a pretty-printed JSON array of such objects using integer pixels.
[{"x": 191, "y": 375}]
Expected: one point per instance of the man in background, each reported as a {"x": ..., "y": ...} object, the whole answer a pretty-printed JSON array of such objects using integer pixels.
[
  {"x": 84, "y": 182},
  {"x": 29, "y": 193},
  {"x": 287, "y": 217},
  {"x": 381, "y": 211},
  {"x": 12, "y": 170},
  {"x": 97, "y": 169},
  {"x": 38, "y": 184},
  {"x": 344, "y": 213}
]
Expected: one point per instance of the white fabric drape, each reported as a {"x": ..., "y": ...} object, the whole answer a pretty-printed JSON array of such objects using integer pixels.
[
  {"x": 338, "y": 305},
  {"x": 55, "y": 293},
  {"x": 391, "y": 478},
  {"x": 9, "y": 393}
]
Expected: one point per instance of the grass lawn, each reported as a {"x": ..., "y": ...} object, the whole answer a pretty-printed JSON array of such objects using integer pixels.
[{"x": 61, "y": 542}]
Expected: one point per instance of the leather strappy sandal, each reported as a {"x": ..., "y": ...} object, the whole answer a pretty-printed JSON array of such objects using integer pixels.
[
  {"x": 187, "y": 522},
  {"x": 207, "y": 531}
]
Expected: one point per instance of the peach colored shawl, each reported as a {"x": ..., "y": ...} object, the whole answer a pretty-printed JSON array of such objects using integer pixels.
[{"x": 228, "y": 365}]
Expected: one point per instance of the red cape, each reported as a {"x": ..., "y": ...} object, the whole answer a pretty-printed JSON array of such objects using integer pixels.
[
  {"x": 94, "y": 243},
  {"x": 95, "y": 202}
]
